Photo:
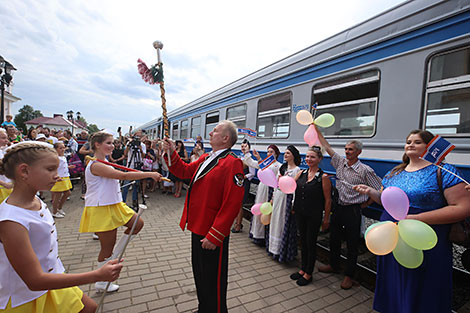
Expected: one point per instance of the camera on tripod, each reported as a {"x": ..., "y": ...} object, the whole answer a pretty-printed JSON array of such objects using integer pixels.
[{"x": 135, "y": 143}]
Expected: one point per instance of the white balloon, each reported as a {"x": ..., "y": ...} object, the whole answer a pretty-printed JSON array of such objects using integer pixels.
[{"x": 304, "y": 117}]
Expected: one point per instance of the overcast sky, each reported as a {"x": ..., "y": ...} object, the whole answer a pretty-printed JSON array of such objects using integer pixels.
[{"x": 81, "y": 55}]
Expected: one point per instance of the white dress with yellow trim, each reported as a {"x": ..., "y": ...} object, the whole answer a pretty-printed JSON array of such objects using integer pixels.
[
  {"x": 63, "y": 171},
  {"x": 4, "y": 192},
  {"x": 104, "y": 209},
  {"x": 15, "y": 296}
]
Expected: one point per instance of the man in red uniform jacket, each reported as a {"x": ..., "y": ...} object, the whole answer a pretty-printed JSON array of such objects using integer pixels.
[{"x": 213, "y": 200}]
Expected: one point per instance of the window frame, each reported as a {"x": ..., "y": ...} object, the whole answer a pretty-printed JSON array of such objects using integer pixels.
[
  {"x": 206, "y": 134},
  {"x": 357, "y": 82},
  {"x": 192, "y": 126},
  {"x": 447, "y": 84},
  {"x": 275, "y": 112}
]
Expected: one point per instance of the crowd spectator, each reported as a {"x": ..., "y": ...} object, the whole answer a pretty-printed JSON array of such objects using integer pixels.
[
  {"x": 117, "y": 156},
  {"x": 135, "y": 152},
  {"x": 346, "y": 218},
  {"x": 282, "y": 244},
  {"x": 49, "y": 139},
  {"x": 399, "y": 289},
  {"x": 13, "y": 135},
  {"x": 9, "y": 121},
  {"x": 149, "y": 159},
  {"x": 32, "y": 133},
  {"x": 197, "y": 151},
  {"x": 312, "y": 198},
  {"x": 181, "y": 150},
  {"x": 72, "y": 145},
  {"x": 264, "y": 193}
]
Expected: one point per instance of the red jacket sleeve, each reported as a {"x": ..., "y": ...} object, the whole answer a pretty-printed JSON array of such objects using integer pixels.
[
  {"x": 231, "y": 203},
  {"x": 182, "y": 169}
]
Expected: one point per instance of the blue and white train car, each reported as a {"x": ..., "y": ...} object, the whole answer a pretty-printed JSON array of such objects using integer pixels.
[{"x": 406, "y": 68}]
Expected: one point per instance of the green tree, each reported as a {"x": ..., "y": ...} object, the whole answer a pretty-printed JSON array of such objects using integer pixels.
[
  {"x": 93, "y": 128},
  {"x": 26, "y": 113}
]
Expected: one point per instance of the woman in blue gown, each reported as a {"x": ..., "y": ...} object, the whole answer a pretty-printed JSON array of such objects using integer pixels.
[{"x": 427, "y": 288}]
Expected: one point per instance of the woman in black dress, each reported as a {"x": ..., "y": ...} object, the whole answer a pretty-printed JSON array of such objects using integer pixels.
[{"x": 312, "y": 197}]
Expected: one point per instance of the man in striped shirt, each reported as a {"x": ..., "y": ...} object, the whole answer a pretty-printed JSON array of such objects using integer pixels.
[{"x": 346, "y": 217}]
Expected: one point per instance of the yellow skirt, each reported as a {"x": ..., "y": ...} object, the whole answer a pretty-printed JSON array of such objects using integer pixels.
[
  {"x": 53, "y": 301},
  {"x": 62, "y": 185},
  {"x": 4, "y": 193},
  {"x": 104, "y": 218}
]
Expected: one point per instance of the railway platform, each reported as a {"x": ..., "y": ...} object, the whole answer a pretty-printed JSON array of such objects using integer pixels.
[{"x": 157, "y": 274}]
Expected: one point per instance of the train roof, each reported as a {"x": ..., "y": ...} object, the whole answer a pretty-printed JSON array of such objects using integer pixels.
[{"x": 403, "y": 18}]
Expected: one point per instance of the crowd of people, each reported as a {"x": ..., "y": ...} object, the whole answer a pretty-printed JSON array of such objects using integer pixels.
[{"x": 218, "y": 186}]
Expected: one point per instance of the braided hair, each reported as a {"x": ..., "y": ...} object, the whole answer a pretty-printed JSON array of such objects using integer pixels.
[{"x": 25, "y": 152}]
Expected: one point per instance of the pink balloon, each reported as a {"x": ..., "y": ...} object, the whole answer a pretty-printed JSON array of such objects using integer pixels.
[
  {"x": 396, "y": 203},
  {"x": 287, "y": 184},
  {"x": 267, "y": 177},
  {"x": 255, "y": 209},
  {"x": 311, "y": 136}
]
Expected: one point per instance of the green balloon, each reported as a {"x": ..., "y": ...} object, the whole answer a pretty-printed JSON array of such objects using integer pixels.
[
  {"x": 325, "y": 120},
  {"x": 417, "y": 234},
  {"x": 407, "y": 256},
  {"x": 374, "y": 225},
  {"x": 266, "y": 208}
]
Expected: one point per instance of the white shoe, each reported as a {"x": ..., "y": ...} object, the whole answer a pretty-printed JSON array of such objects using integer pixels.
[
  {"x": 145, "y": 196},
  {"x": 57, "y": 215},
  {"x": 95, "y": 237},
  {"x": 61, "y": 212},
  {"x": 101, "y": 285}
]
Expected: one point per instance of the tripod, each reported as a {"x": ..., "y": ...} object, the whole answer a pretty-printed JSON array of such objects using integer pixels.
[{"x": 136, "y": 161}]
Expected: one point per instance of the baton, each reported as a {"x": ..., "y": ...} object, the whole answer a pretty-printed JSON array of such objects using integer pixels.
[{"x": 141, "y": 210}]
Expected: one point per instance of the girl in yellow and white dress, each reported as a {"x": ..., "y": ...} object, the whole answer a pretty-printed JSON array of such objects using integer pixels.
[
  {"x": 5, "y": 183},
  {"x": 104, "y": 210},
  {"x": 32, "y": 276},
  {"x": 61, "y": 189}
]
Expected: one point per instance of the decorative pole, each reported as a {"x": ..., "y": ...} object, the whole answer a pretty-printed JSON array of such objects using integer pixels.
[{"x": 158, "y": 45}]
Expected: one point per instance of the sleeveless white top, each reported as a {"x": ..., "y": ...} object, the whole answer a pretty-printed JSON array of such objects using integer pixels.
[
  {"x": 43, "y": 238},
  {"x": 101, "y": 190},
  {"x": 63, "y": 170}
]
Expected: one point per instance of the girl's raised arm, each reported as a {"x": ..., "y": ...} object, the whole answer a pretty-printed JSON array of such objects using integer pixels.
[{"x": 20, "y": 253}]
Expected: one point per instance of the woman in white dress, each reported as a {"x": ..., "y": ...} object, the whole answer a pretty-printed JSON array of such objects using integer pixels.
[
  {"x": 257, "y": 229},
  {"x": 283, "y": 228}
]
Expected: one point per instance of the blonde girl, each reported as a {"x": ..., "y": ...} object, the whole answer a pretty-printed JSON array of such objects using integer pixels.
[
  {"x": 61, "y": 189},
  {"x": 5, "y": 183},
  {"x": 32, "y": 276},
  {"x": 104, "y": 210}
]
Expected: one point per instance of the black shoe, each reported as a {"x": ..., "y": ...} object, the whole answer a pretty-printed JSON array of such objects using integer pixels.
[
  {"x": 304, "y": 282},
  {"x": 296, "y": 276}
]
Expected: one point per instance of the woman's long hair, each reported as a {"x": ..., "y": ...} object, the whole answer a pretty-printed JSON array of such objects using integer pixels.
[{"x": 425, "y": 135}]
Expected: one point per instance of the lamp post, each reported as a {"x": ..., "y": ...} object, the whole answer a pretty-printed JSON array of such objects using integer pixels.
[
  {"x": 70, "y": 117},
  {"x": 5, "y": 80}
]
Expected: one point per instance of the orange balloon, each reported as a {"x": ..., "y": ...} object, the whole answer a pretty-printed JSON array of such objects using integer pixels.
[
  {"x": 265, "y": 219},
  {"x": 382, "y": 239}
]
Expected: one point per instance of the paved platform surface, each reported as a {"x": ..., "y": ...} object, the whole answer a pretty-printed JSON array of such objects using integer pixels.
[{"x": 157, "y": 274}]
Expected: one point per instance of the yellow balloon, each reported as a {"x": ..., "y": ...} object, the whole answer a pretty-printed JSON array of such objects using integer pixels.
[
  {"x": 417, "y": 234},
  {"x": 266, "y": 208},
  {"x": 407, "y": 256},
  {"x": 325, "y": 120},
  {"x": 304, "y": 117},
  {"x": 265, "y": 219},
  {"x": 382, "y": 239}
]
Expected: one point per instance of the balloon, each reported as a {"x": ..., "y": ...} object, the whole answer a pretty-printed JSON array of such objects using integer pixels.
[
  {"x": 266, "y": 208},
  {"x": 395, "y": 202},
  {"x": 287, "y": 184},
  {"x": 267, "y": 177},
  {"x": 265, "y": 219},
  {"x": 382, "y": 239},
  {"x": 372, "y": 226},
  {"x": 325, "y": 120},
  {"x": 407, "y": 256},
  {"x": 311, "y": 136},
  {"x": 255, "y": 209},
  {"x": 304, "y": 117},
  {"x": 417, "y": 234}
]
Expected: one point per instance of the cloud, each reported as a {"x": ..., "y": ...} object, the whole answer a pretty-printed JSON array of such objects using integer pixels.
[{"x": 82, "y": 55}]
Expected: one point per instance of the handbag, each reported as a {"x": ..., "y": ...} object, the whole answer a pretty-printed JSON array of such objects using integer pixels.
[
  {"x": 77, "y": 163},
  {"x": 459, "y": 231}
]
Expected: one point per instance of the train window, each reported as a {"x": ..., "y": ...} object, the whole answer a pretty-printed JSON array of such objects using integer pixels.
[
  {"x": 237, "y": 114},
  {"x": 196, "y": 127},
  {"x": 212, "y": 119},
  {"x": 352, "y": 100},
  {"x": 274, "y": 116},
  {"x": 184, "y": 129},
  {"x": 448, "y": 93},
  {"x": 174, "y": 133}
]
